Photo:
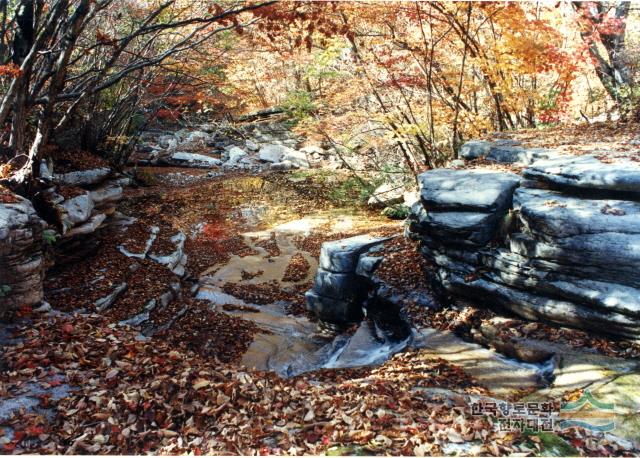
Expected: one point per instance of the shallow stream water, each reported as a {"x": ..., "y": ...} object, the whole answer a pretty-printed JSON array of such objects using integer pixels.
[{"x": 291, "y": 345}]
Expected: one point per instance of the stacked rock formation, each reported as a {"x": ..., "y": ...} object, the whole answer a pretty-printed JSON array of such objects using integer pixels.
[
  {"x": 21, "y": 257},
  {"x": 96, "y": 195},
  {"x": 561, "y": 245},
  {"x": 340, "y": 288}
]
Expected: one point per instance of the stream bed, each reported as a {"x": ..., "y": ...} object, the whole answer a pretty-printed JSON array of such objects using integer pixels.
[{"x": 292, "y": 344}]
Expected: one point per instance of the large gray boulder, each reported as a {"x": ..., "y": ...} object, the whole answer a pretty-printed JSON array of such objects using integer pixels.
[
  {"x": 467, "y": 190},
  {"x": 235, "y": 155},
  {"x": 587, "y": 172},
  {"x": 297, "y": 158},
  {"x": 77, "y": 210},
  {"x": 475, "y": 149},
  {"x": 21, "y": 257},
  {"x": 545, "y": 255},
  {"x": 387, "y": 194},
  {"x": 273, "y": 153}
]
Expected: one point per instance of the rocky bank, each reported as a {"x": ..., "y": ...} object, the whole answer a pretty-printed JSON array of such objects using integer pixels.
[{"x": 559, "y": 243}]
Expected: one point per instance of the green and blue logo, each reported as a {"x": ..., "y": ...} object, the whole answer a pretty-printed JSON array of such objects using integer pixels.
[{"x": 589, "y": 413}]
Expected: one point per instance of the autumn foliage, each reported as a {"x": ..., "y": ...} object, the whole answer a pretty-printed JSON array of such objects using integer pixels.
[{"x": 407, "y": 81}]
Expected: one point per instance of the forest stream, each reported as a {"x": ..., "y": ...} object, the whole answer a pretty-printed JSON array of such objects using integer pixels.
[{"x": 218, "y": 265}]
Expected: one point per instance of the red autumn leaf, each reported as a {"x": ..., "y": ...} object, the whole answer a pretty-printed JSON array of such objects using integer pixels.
[{"x": 34, "y": 431}]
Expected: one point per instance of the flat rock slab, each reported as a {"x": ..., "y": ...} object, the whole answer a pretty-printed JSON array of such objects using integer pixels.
[
  {"x": 106, "y": 194},
  {"x": 87, "y": 228},
  {"x": 504, "y": 152},
  {"x": 539, "y": 307},
  {"x": 341, "y": 256},
  {"x": 587, "y": 172},
  {"x": 473, "y": 227},
  {"x": 467, "y": 190},
  {"x": 505, "y": 378},
  {"x": 515, "y": 270},
  {"x": 553, "y": 215}
]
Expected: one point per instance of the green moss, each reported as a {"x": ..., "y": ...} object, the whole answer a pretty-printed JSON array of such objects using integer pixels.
[
  {"x": 299, "y": 105},
  {"x": 399, "y": 211},
  {"x": 50, "y": 237},
  {"x": 552, "y": 444}
]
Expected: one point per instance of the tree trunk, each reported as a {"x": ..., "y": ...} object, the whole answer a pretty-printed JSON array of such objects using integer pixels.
[
  {"x": 22, "y": 43},
  {"x": 610, "y": 68}
]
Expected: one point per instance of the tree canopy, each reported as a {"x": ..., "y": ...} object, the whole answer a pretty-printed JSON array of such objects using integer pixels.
[{"x": 415, "y": 77}]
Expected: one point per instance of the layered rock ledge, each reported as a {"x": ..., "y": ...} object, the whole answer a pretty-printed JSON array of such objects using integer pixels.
[
  {"x": 567, "y": 255},
  {"x": 21, "y": 256}
]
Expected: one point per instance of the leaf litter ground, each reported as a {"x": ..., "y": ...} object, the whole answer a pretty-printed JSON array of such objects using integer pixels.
[{"x": 183, "y": 391}]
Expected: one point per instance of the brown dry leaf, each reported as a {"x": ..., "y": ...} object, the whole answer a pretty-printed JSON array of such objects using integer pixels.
[{"x": 200, "y": 383}]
